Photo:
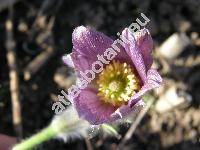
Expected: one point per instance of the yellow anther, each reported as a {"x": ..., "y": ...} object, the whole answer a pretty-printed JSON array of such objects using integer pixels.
[{"x": 117, "y": 83}]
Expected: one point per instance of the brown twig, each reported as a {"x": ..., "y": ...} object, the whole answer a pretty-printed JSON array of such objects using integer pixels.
[
  {"x": 13, "y": 74},
  {"x": 39, "y": 17},
  {"x": 36, "y": 64},
  {"x": 135, "y": 124}
]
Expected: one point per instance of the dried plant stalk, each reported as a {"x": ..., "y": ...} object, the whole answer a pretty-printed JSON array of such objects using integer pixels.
[{"x": 14, "y": 79}]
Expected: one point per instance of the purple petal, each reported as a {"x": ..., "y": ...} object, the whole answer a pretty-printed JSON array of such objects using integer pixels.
[
  {"x": 125, "y": 109},
  {"x": 135, "y": 54},
  {"x": 154, "y": 80},
  {"x": 81, "y": 63},
  {"x": 91, "y": 108},
  {"x": 89, "y": 42},
  {"x": 77, "y": 61},
  {"x": 145, "y": 45}
]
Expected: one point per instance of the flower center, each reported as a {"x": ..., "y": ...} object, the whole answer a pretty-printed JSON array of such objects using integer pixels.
[
  {"x": 114, "y": 86},
  {"x": 117, "y": 83}
]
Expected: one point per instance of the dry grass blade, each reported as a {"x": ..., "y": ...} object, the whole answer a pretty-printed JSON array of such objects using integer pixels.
[
  {"x": 131, "y": 130},
  {"x": 13, "y": 73},
  {"x": 38, "y": 62}
]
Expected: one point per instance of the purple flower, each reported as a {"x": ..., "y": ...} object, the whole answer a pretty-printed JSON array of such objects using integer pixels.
[{"x": 117, "y": 90}]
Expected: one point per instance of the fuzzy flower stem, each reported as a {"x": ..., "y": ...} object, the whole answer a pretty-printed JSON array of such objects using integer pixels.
[
  {"x": 61, "y": 126},
  {"x": 36, "y": 139}
]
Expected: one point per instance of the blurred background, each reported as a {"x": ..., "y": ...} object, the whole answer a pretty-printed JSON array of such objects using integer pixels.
[{"x": 35, "y": 34}]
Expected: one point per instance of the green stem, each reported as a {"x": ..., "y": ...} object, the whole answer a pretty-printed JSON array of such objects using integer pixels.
[{"x": 36, "y": 139}]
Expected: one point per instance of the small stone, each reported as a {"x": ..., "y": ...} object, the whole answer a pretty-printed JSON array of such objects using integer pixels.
[
  {"x": 174, "y": 45},
  {"x": 172, "y": 99}
]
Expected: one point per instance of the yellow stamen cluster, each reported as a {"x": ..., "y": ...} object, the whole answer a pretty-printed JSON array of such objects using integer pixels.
[{"x": 117, "y": 83}]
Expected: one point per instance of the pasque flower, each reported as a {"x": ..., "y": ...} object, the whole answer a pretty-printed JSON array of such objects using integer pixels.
[{"x": 117, "y": 90}]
